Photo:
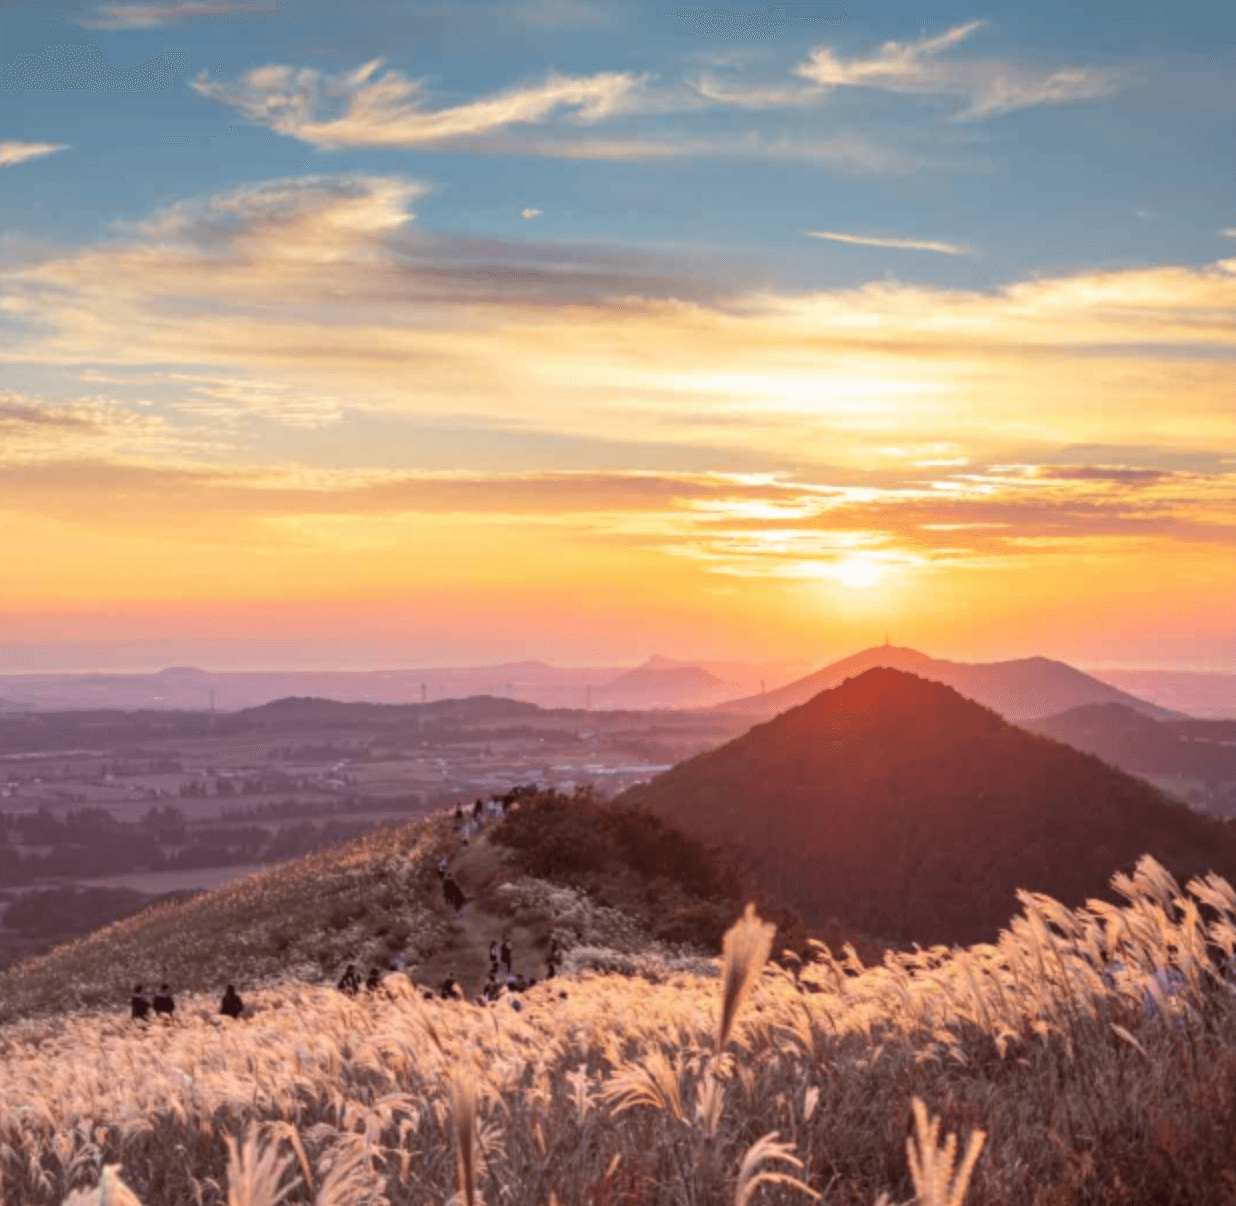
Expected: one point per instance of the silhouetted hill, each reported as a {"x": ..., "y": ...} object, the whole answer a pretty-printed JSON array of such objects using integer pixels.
[
  {"x": 665, "y": 686},
  {"x": 1194, "y": 749},
  {"x": 902, "y": 808},
  {"x": 1023, "y": 689}
]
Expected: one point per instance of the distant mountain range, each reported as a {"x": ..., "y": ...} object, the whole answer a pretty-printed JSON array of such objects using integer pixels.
[
  {"x": 1206, "y": 695},
  {"x": 189, "y": 687},
  {"x": 1190, "y": 749},
  {"x": 905, "y": 810},
  {"x": 1024, "y": 689}
]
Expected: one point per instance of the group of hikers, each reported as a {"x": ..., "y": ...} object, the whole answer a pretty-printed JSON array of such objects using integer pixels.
[
  {"x": 501, "y": 977},
  {"x": 469, "y": 821},
  {"x": 163, "y": 1005}
]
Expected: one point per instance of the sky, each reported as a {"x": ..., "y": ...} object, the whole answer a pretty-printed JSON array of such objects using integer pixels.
[{"x": 397, "y": 333}]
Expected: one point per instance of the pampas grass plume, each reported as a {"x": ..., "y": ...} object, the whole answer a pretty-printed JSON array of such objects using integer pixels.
[{"x": 744, "y": 952}]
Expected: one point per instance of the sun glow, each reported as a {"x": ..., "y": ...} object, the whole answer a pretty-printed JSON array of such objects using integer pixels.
[{"x": 858, "y": 573}]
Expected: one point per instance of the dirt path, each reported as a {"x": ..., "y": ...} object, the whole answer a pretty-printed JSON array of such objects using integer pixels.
[{"x": 478, "y": 869}]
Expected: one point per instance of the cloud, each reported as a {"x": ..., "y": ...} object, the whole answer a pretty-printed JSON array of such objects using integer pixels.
[
  {"x": 899, "y": 244},
  {"x": 1229, "y": 232},
  {"x": 988, "y": 87},
  {"x": 388, "y": 109},
  {"x": 33, "y": 429},
  {"x": 529, "y": 212},
  {"x": 19, "y": 152},
  {"x": 153, "y": 16},
  {"x": 317, "y": 301}
]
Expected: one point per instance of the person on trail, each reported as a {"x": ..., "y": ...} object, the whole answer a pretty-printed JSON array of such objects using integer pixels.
[
  {"x": 493, "y": 959},
  {"x": 477, "y": 809},
  {"x": 454, "y": 895},
  {"x": 164, "y": 1006},
  {"x": 449, "y": 988},
  {"x": 374, "y": 981},
  {"x": 459, "y": 814},
  {"x": 140, "y": 1004},
  {"x": 504, "y": 954},
  {"x": 350, "y": 981},
  {"x": 232, "y": 1006}
]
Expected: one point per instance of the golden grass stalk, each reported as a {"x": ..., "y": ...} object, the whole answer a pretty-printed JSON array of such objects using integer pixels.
[
  {"x": 760, "y": 1152},
  {"x": 931, "y": 1166},
  {"x": 744, "y": 951},
  {"x": 256, "y": 1172},
  {"x": 464, "y": 1117},
  {"x": 110, "y": 1191}
]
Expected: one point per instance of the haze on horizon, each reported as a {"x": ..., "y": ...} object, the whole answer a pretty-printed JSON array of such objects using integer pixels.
[{"x": 575, "y": 331}]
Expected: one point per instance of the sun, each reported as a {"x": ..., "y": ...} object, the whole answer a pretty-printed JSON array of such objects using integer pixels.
[{"x": 858, "y": 572}]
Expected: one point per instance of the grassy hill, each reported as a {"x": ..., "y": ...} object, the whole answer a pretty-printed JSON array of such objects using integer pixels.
[
  {"x": 603, "y": 883},
  {"x": 898, "y": 806}
]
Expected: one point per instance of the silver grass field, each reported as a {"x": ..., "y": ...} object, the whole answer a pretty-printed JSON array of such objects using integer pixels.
[{"x": 1023, "y": 1072}]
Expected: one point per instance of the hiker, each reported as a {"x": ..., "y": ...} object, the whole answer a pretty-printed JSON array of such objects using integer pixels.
[
  {"x": 374, "y": 981},
  {"x": 504, "y": 954},
  {"x": 163, "y": 1003},
  {"x": 232, "y": 1006},
  {"x": 140, "y": 1004},
  {"x": 449, "y": 988},
  {"x": 493, "y": 959},
  {"x": 350, "y": 981},
  {"x": 458, "y": 815},
  {"x": 454, "y": 894},
  {"x": 477, "y": 809}
]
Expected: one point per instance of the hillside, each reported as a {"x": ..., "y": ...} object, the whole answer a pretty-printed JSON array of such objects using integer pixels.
[
  {"x": 1023, "y": 689},
  {"x": 902, "y": 808},
  {"x": 1196, "y": 749},
  {"x": 557, "y": 867}
]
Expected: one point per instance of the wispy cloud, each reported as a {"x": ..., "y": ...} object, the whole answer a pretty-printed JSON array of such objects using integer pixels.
[
  {"x": 388, "y": 109},
  {"x": 898, "y": 244},
  {"x": 153, "y": 16},
  {"x": 529, "y": 212},
  {"x": 988, "y": 87},
  {"x": 19, "y": 152}
]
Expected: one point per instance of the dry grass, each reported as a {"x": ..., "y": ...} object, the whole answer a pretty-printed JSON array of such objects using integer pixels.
[{"x": 1062, "y": 1086}]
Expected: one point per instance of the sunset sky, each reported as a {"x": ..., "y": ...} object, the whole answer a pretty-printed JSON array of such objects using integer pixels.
[{"x": 395, "y": 333}]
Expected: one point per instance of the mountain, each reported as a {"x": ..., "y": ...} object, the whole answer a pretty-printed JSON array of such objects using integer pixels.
[
  {"x": 1191, "y": 749},
  {"x": 651, "y": 687},
  {"x": 904, "y": 809},
  {"x": 1208, "y": 695},
  {"x": 1024, "y": 689}
]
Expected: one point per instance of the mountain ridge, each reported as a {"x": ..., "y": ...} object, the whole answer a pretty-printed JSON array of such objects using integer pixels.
[{"x": 1020, "y": 689}]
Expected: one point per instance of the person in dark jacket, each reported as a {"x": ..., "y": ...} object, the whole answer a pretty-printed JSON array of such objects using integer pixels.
[
  {"x": 140, "y": 1004},
  {"x": 449, "y": 989},
  {"x": 504, "y": 954},
  {"x": 374, "y": 982},
  {"x": 350, "y": 981},
  {"x": 453, "y": 893},
  {"x": 232, "y": 1006},
  {"x": 164, "y": 1006}
]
